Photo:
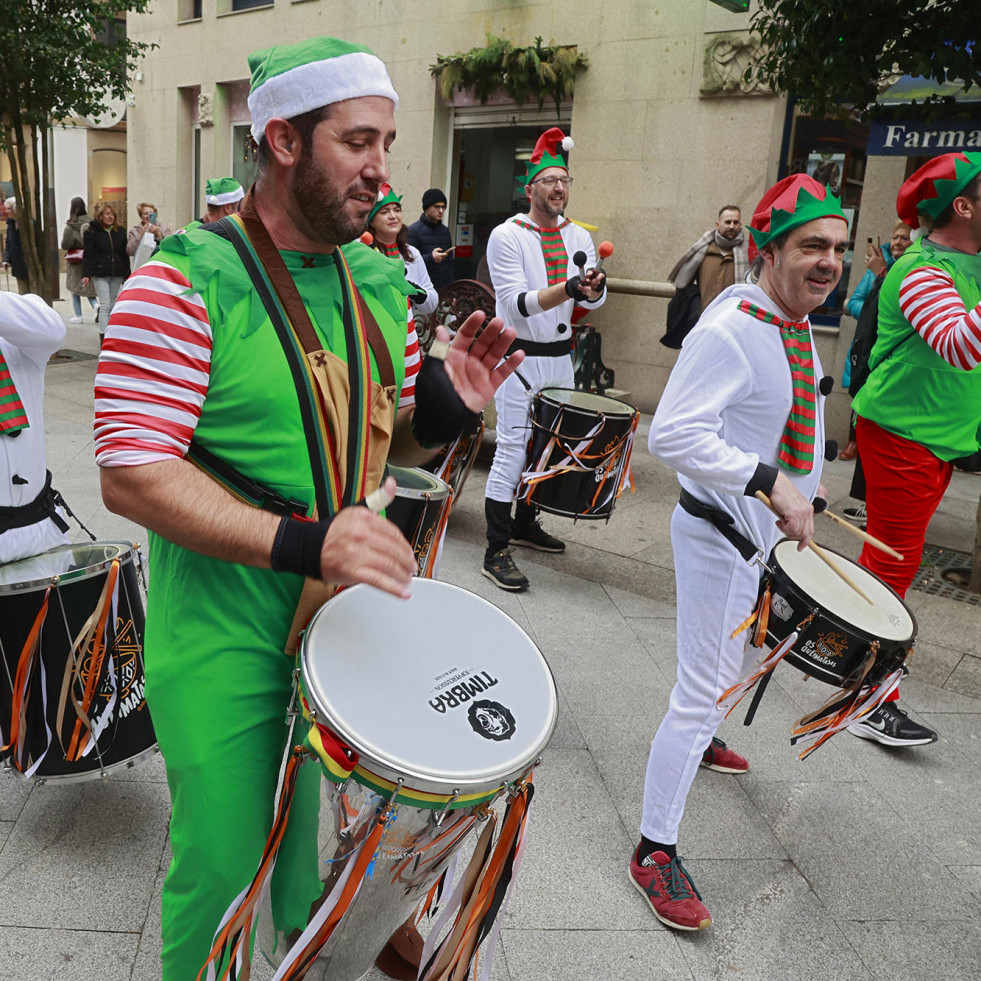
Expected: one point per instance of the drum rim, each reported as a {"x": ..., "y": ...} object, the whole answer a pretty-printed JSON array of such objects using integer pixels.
[
  {"x": 628, "y": 411},
  {"x": 440, "y": 489},
  {"x": 426, "y": 782},
  {"x": 87, "y": 776},
  {"x": 125, "y": 552},
  {"x": 835, "y": 617}
]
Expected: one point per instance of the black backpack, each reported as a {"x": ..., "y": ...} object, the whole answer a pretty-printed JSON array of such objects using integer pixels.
[
  {"x": 684, "y": 309},
  {"x": 866, "y": 334}
]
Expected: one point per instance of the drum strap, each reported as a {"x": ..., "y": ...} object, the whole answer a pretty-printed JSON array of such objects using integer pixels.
[
  {"x": 723, "y": 523},
  {"x": 542, "y": 349},
  {"x": 43, "y": 506}
]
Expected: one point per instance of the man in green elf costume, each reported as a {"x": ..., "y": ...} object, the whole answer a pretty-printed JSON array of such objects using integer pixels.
[
  {"x": 919, "y": 412},
  {"x": 223, "y": 196},
  {"x": 219, "y": 389}
]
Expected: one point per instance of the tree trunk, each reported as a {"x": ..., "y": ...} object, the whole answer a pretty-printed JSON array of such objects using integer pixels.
[
  {"x": 974, "y": 586},
  {"x": 49, "y": 241},
  {"x": 29, "y": 219}
]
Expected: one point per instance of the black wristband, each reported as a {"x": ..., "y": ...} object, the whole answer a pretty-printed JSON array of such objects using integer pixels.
[
  {"x": 440, "y": 414},
  {"x": 298, "y": 545},
  {"x": 573, "y": 290},
  {"x": 763, "y": 479}
]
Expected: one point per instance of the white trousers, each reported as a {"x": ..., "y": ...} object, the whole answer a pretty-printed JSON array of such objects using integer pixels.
[
  {"x": 717, "y": 590},
  {"x": 513, "y": 403}
]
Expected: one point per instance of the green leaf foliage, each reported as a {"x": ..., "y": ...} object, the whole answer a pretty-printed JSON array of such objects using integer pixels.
[
  {"x": 531, "y": 74},
  {"x": 835, "y": 56}
]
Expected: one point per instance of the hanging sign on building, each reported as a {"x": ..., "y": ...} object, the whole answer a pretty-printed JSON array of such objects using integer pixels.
[{"x": 918, "y": 138}]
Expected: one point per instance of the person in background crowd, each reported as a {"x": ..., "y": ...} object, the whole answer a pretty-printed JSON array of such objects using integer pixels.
[
  {"x": 148, "y": 223},
  {"x": 105, "y": 263},
  {"x": 13, "y": 250},
  {"x": 73, "y": 242},
  {"x": 717, "y": 260},
  {"x": 223, "y": 196},
  {"x": 432, "y": 238}
]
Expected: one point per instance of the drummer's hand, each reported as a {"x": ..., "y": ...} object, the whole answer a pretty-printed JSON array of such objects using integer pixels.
[
  {"x": 797, "y": 512},
  {"x": 363, "y": 547},
  {"x": 592, "y": 285},
  {"x": 473, "y": 361}
]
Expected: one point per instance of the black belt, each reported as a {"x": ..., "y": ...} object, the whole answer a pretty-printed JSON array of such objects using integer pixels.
[
  {"x": 541, "y": 349},
  {"x": 722, "y": 520},
  {"x": 43, "y": 506}
]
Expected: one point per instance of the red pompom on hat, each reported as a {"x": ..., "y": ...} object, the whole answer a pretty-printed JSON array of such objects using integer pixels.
[{"x": 933, "y": 187}]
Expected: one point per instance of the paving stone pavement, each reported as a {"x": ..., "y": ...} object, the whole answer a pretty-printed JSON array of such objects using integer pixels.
[{"x": 859, "y": 863}]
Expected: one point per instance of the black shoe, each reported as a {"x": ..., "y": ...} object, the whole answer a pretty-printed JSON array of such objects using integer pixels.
[
  {"x": 502, "y": 571},
  {"x": 857, "y": 515},
  {"x": 891, "y": 726},
  {"x": 533, "y": 535}
]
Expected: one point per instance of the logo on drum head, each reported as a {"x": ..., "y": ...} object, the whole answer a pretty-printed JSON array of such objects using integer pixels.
[{"x": 491, "y": 720}]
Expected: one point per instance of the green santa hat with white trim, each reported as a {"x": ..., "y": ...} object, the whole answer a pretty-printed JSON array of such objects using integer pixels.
[
  {"x": 386, "y": 195},
  {"x": 295, "y": 78},
  {"x": 223, "y": 190}
]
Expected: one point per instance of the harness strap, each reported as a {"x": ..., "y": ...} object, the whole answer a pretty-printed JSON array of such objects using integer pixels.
[
  {"x": 722, "y": 521},
  {"x": 43, "y": 506}
]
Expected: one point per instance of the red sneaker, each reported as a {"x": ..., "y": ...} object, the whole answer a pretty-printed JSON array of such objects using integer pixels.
[
  {"x": 669, "y": 889},
  {"x": 719, "y": 757}
]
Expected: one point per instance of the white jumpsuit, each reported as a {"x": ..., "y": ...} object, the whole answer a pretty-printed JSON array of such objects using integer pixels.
[
  {"x": 517, "y": 270},
  {"x": 722, "y": 413}
]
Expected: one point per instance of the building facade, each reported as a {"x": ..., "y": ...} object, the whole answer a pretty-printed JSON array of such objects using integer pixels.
[{"x": 666, "y": 132}]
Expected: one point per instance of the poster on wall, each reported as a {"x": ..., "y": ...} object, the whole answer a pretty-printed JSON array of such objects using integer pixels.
[{"x": 827, "y": 169}]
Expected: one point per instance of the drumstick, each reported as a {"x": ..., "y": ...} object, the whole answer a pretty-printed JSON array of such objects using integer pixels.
[
  {"x": 871, "y": 539},
  {"x": 819, "y": 552}
]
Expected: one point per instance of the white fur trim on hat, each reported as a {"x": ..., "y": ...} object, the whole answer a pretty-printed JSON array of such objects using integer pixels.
[
  {"x": 228, "y": 197},
  {"x": 316, "y": 84}
]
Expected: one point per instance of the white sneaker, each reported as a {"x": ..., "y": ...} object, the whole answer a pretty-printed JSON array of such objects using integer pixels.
[{"x": 75, "y": 320}]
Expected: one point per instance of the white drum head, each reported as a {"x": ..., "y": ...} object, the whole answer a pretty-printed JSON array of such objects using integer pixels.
[
  {"x": 588, "y": 402},
  {"x": 66, "y": 562},
  {"x": 442, "y": 689},
  {"x": 888, "y": 618}
]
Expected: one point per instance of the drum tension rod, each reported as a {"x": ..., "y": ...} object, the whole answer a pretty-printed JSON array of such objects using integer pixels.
[
  {"x": 291, "y": 712},
  {"x": 438, "y": 818}
]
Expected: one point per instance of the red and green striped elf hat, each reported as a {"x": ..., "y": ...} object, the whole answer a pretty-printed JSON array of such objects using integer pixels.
[
  {"x": 790, "y": 203},
  {"x": 546, "y": 154},
  {"x": 932, "y": 189},
  {"x": 386, "y": 195}
]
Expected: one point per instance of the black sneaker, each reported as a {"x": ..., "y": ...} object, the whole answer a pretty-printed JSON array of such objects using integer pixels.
[
  {"x": 534, "y": 535},
  {"x": 891, "y": 726},
  {"x": 502, "y": 571},
  {"x": 856, "y": 515}
]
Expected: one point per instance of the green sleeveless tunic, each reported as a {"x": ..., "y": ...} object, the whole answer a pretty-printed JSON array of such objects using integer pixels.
[{"x": 911, "y": 390}]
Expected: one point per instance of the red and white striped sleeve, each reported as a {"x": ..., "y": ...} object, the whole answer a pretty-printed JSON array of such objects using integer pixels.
[
  {"x": 413, "y": 359},
  {"x": 930, "y": 302},
  {"x": 153, "y": 370}
]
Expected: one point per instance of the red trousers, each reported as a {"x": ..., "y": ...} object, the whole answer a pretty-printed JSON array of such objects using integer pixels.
[{"x": 905, "y": 484}]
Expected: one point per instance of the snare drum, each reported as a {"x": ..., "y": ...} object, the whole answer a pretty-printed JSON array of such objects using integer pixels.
[
  {"x": 838, "y": 631},
  {"x": 420, "y": 509},
  {"x": 71, "y": 640},
  {"x": 453, "y": 463},
  {"x": 578, "y": 453},
  {"x": 404, "y": 716}
]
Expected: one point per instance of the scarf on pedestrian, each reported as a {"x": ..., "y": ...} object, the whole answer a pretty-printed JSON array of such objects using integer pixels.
[
  {"x": 797, "y": 442},
  {"x": 686, "y": 268},
  {"x": 13, "y": 417}
]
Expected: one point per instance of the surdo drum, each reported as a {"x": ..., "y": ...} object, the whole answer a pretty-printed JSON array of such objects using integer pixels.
[
  {"x": 578, "y": 453},
  {"x": 418, "y": 736},
  {"x": 71, "y": 685}
]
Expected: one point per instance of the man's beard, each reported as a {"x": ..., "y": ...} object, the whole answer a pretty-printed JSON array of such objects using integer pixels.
[
  {"x": 321, "y": 204},
  {"x": 544, "y": 205}
]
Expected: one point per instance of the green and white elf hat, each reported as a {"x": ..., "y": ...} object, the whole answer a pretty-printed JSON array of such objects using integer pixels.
[
  {"x": 223, "y": 190},
  {"x": 546, "y": 153},
  {"x": 386, "y": 195},
  {"x": 294, "y": 78}
]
